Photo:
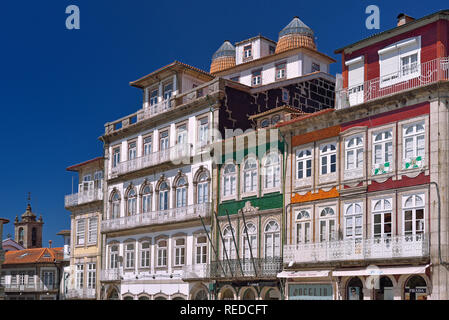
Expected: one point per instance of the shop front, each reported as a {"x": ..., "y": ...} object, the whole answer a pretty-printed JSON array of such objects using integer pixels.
[{"x": 308, "y": 285}]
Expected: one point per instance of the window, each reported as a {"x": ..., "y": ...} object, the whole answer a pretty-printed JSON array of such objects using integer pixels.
[
  {"x": 98, "y": 179},
  {"x": 354, "y": 153},
  {"x": 328, "y": 158},
  {"x": 132, "y": 150},
  {"x": 229, "y": 247},
  {"x": 92, "y": 232},
  {"x": 265, "y": 123},
  {"x": 409, "y": 64},
  {"x": 251, "y": 234},
  {"x": 154, "y": 97},
  {"x": 21, "y": 236},
  {"x": 163, "y": 196},
  {"x": 414, "y": 141},
  {"x": 168, "y": 89},
  {"x": 129, "y": 256},
  {"x": 250, "y": 176},
  {"x": 247, "y": 52},
  {"x": 145, "y": 250},
  {"x": 271, "y": 50},
  {"x": 353, "y": 220},
  {"x": 382, "y": 213},
  {"x": 115, "y": 206},
  {"x": 115, "y": 157},
  {"x": 281, "y": 71},
  {"x": 91, "y": 275},
  {"x": 315, "y": 67},
  {"x": 229, "y": 180},
  {"x": 256, "y": 77},
  {"x": 382, "y": 151},
  {"x": 181, "y": 193},
  {"x": 201, "y": 250},
  {"x": 34, "y": 237},
  {"x": 303, "y": 227},
  {"x": 303, "y": 163},
  {"x": 236, "y": 78},
  {"x": 49, "y": 279},
  {"x": 146, "y": 199},
  {"x": 413, "y": 215},
  {"x": 285, "y": 95},
  {"x": 164, "y": 141},
  {"x": 203, "y": 131},
  {"x": 180, "y": 251},
  {"x": 203, "y": 188},
  {"x": 327, "y": 225},
  {"x": 147, "y": 145},
  {"x": 162, "y": 253},
  {"x": 181, "y": 134},
  {"x": 356, "y": 79},
  {"x": 80, "y": 231},
  {"x": 272, "y": 170},
  {"x": 272, "y": 240},
  {"x": 113, "y": 257},
  {"x": 132, "y": 202},
  {"x": 275, "y": 119}
]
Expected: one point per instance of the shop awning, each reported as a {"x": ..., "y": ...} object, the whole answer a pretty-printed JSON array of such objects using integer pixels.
[
  {"x": 380, "y": 271},
  {"x": 304, "y": 274}
]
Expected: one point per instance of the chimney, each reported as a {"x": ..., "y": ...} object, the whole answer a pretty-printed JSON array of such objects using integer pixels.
[
  {"x": 403, "y": 19},
  {"x": 49, "y": 243}
]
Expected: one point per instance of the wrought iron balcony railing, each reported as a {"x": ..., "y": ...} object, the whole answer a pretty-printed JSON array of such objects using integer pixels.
[
  {"x": 264, "y": 267},
  {"x": 413, "y": 246},
  {"x": 88, "y": 192}
]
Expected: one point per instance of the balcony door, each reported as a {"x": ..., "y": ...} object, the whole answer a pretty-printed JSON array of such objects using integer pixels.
[{"x": 356, "y": 73}]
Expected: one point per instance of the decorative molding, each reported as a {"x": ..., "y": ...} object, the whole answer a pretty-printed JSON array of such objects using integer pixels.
[{"x": 309, "y": 196}]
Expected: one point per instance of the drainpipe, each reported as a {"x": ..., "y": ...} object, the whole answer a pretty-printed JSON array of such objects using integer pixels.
[{"x": 443, "y": 263}]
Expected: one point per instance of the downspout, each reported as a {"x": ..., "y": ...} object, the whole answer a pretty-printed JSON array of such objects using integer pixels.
[
  {"x": 443, "y": 263},
  {"x": 284, "y": 209}
]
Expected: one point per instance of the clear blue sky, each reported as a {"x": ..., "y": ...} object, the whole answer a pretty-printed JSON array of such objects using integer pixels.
[{"x": 58, "y": 87}]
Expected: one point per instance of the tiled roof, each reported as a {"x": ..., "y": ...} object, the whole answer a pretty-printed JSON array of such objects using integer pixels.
[
  {"x": 76, "y": 166},
  {"x": 36, "y": 255},
  {"x": 222, "y": 63},
  {"x": 281, "y": 108},
  {"x": 303, "y": 117}
]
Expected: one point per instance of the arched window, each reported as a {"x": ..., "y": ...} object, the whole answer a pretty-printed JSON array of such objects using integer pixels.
[
  {"x": 115, "y": 207},
  {"x": 272, "y": 240},
  {"x": 383, "y": 148},
  {"x": 353, "y": 220},
  {"x": 272, "y": 170},
  {"x": 304, "y": 163},
  {"x": 163, "y": 196},
  {"x": 250, "y": 175},
  {"x": 384, "y": 289},
  {"x": 132, "y": 202},
  {"x": 252, "y": 236},
  {"x": 229, "y": 180},
  {"x": 21, "y": 236},
  {"x": 229, "y": 244},
  {"x": 203, "y": 188},
  {"x": 162, "y": 253},
  {"x": 113, "y": 257},
  {"x": 414, "y": 141},
  {"x": 416, "y": 288},
  {"x": 303, "y": 226},
  {"x": 181, "y": 192},
  {"x": 34, "y": 237},
  {"x": 413, "y": 215},
  {"x": 129, "y": 255},
  {"x": 355, "y": 289},
  {"x": 249, "y": 295},
  {"x": 354, "y": 153},
  {"x": 327, "y": 225},
  {"x": 146, "y": 199},
  {"x": 382, "y": 214},
  {"x": 145, "y": 252},
  {"x": 328, "y": 158},
  {"x": 201, "y": 295}
]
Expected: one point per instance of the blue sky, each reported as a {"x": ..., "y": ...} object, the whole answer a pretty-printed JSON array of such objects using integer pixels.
[{"x": 58, "y": 87}]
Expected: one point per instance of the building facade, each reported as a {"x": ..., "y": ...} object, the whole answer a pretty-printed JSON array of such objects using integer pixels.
[{"x": 2, "y": 254}]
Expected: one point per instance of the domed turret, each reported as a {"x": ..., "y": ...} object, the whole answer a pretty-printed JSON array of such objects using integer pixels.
[
  {"x": 295, "y": 35},
  {"x": 223, "y": 58}
]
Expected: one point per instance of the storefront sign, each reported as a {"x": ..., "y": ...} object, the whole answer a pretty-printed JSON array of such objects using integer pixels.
[{"x": 310, "y": 292}]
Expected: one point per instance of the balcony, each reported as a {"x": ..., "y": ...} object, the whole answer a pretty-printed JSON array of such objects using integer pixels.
[
  {"x": 196, "y": 95},
  {"x": 413, "y": 77},
  {"x": 111, "y": 275},
  {"x": 9, "y": 287},
  {"x": 398, "y": 247},
  {"x": 174, "y": 154},
  {"x": 265, "y": 267},
  {"x": 196, "y": 271},
  {"x": 86, "y": 293},
  {"x": 157, "y": 217},
  {"x": 88, "y": 193}
]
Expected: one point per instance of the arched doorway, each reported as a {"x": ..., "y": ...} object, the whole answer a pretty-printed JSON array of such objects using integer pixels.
[
  {"x": 272, "y": 294},
  {"x": 160, "y": 298},
  {"x": 201, "y": 295},
  {"x": 415, "y": 289},
  {"x": 385, "y": 290},
  {"x": 227, "y": 295},
  {"x": 249, "y": 294},
  {"x": 354, "y": 289},
  {"x": 113, "y": 295}
]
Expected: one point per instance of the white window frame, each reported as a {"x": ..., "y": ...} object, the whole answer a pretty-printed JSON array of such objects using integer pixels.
[
  {"x": 414, "y": 221},
  {"x": 161, "y": 253},
  {"x": 328, "y": 154},
  {"x": 383, "y": 143},
  {"x": 145, "y": 254},
  {"x": 92, "y": 230},
  {"x": 80, "y": 232},
  {"x": 330, "y": 220},
  {"x": 201, "y": 250},
  {"x": 113, "y": 256},
  {"x": 91, "y": 275},
  {"x": 417, "y": 150},
  {"x": 230, "y": 179},
  {"x": 353, "y": 220},
  {"x": 229, "y": 243},
  {"x": 304, "y": 159},
  {"x": 271, "y": 173},
  {"x": 130, "y": 255},
  {"x": 252, "y": 234},
  {"x": 180, "y": 252},
  {"x": 382, "y": 211},
  {"x": 272, "y": 240},
  {"x": 251, "y": 176},
  {"x": 303, "y": 226}
]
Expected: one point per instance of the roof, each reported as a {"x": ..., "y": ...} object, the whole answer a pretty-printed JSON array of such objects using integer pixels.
[
  {"x": 253, "y": 38},
  {"x": 175, "y": 65},
  {"x": 82, "y": 164},
  {"x": 63, "y": 233},
  {"x": 296, "y": 26},
  {"x": 400, "y": 29},
  {"x": 32, "y": 256},
  {"x": 277, "y": 109},
  {"x": 303, "y": 117},
  {"x": 225, "y": 50},
  {"x": 9, "y": 243},
  {"x": 4, "y": 220}
]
